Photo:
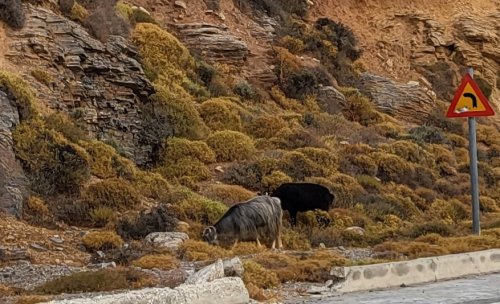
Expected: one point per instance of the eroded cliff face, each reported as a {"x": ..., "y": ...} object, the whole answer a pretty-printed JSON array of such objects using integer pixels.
[
  {"x": 13, "y": 183},
  {"x": 102, "y": 85}
]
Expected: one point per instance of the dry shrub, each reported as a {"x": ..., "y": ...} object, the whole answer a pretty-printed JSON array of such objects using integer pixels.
[
  {"x": 393, "y": 204},
  {"x": 295, "y": 138},
  {"x": 309, "y": 267},
  {"x": 115, "y": 193},
  {"x": 266, "y": 126},
  {"x": 259, "y": 276},
  {"x": 469, "y": 243},
  {"x": 19, "y": 91},
  {"x": 412, "y": 249},
  {"x": 54, "y": 165},
  {"x": 392, "y": 168},
  {"x": 184, "y": 170},
  {"x": 488, "y": 135},
  {"x": 389, "y": 129},
  {"x": 156, "y": 219},
  {"x": 42, "y": 76},
  {"x": 33, "y": 299},
  {"x": 231, "y": 145},
  {"x": 487, "y": 204},
  {"x": 11, "y": 12},
  {"x": 293, "y": 44},
  {"x": 369, "y": 183},
  {"x": 428, "y": 195},
  {"x": 247, "y": 248},
  {"x": 323, "y": 158},
  {"x": 346, "y": 189},
  {"x": 36, "y": 212},
  {"x": 96, "y": 281},
  {"x": 411, "y": 152},
  {"x": 431, "y": 227},
  {"x": 427, "y": 135},
  {"x": 228, "y": 194},
  {"x": 201, "y": 251},
  {"x": 272, "y": 181},
  {"x": 159, "y": 261},
  {"x": 152, "y": 185},
  {"x": 79, "y": 13},
  {"x": 165, "y": 59},
  {"x": 102, "y": 216},
  {"x": 105, "y": 22},
  {"x": 105, "y": 161},
  {"x": 298, "y": 166},
  {"x": 63, "y": 124},
  {"x": 358, "y": 108},
  {"x": 457, "y": 141},
  {"x": 294, "y": 240},
  {"x": 257, "y": 293},
  {"x": 221, "y": 114},
  {"x": 452, "y": 211},
  {"x": 189, "y": 206},
  {"x": 102, "y": 240}
]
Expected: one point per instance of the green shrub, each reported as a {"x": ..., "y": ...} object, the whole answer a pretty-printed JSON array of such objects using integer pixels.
[
  {"x": 422, "y": 229},
  {"x": 221, "y": 114},
  {"x": 115, "y": 193},
  {"x": 295, "y": 138},
  {"x": 20, "y": 92},
  {"x": 427, "y": 135},
  {"x": 140, "y": 16},
  {"x": 101, "y": 216},
  {"x": 183, "y": 169},
  {"x": 393, "y": 168},
  {"x": 452, "y": 211},
  {"x": 298, "y": 166},
  {"x": 324, "y": 159},
  {"x": 245, "y": 90},
  {"x": 231, "y": 145},
  {"x": 272, "y": 181},
  {"x": 106, "y": 163},
  {"x": 393, "y": 204}
]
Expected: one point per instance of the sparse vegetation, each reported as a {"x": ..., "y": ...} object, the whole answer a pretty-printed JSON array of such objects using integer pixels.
[
  {"x": 160, "y": 261},
  {"x": 101, "y": 240}
]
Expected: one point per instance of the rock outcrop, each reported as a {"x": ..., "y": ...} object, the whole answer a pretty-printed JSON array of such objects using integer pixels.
[
  {"x": 214, "y": 43},
  {"x": 410, "y": 102},
  {"x": 101, "y": 84},
  {"x": 13, "y": 182}
]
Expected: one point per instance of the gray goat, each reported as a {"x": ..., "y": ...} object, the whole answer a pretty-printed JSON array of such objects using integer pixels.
[{"x": 257, "y": 218}]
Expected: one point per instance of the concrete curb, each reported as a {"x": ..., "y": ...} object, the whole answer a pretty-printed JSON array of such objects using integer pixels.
[{"x": 424, "y": 270}]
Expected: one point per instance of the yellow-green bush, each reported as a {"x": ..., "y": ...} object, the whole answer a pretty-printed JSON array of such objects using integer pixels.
[
  {"x": 36, "y": 211},
  {"x": 180, "y": 114},
  {"x": 231, "y": 145},
  {"x": 358, "y": 108},
  {"x": 42, "y": 76},
  {"x": 124, "y": 9},
  {"x": 78, "y": 12},
  {"x": 393, "y": 168},
  {"x": 388, "y": 129},
  {"x": 160, "y": 261},
  {"x": 22, "y": 93},
  {"x": 228, "y": 194},
  {"x": 488, "y": 135},
  {"x": 190, "y": 206},
  {"x": 221, "y": 114},
  {"x": 63, "y": 124},
  {"x": 393, "y": 204},
  {"x": 53, "y": 164},
  {"x": 451, "y": 211},
  {"x": 101, "y": 216},
  {"x": 369, "y": 183},
  {"x": 324, "y": 159},
  {"x": 411, "y": 152},
  {"x": 412, "y": 249},
  {"x": 266, "y": 126},
  {"x": 185, "y": 169},
  {"x": 274, "y": 180},
  {"x": 166, "y": 61},
  {"x": 294, "y": 138},
  {"x": 115, "y": 193},
  {"x": 201, "y": 251},
  {"x": 105, "y": 161},
  {"x": 294, "y": 240},
  {"x": 488, "y": 204},
  {"x": 298, "y": 166},
  {"x": 102, "y": 240},
  {"x": 152, "y": 185}
]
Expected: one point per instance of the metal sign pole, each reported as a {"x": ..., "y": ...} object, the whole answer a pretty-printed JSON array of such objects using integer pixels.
[{"x": 476, "y": 228}]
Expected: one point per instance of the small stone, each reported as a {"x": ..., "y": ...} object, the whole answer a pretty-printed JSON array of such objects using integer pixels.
[
  {"x": 10, "y": 238},
  {"x": 344, "y": 143},
  {"x": 341, "y": 248},
  {"x": 57, "y": 261},
  {"x": 321, "y": 246},
  {"x": 219, "y": 169},
  {"x": 356, "y": 230},
  {"x": 180, "y": 4},
  {"x": 68, "y": 261},
  {"x": 233, "y": 267},
  {"x": 38, "y": 247},
  {"x": 59, "y": 248},
  {"x": 329, "y": 283},
  {"x": 100, "y": 254},
  {"x": 56, "y": 239}
]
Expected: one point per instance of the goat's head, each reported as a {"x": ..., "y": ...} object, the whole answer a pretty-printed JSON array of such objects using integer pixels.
[{"x": 209, "y": 235}]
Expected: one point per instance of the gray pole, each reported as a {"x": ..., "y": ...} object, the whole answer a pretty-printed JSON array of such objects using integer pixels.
[{"x": 476, "y": 228}]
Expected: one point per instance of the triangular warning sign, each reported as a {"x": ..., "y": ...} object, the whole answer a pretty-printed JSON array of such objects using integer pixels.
[{"x": 469, "y": 101}]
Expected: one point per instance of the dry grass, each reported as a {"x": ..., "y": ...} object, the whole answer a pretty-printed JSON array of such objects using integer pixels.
[
  {"x": 231, "y": 145},
  {"x": 160, "y": 261},
  {"x": 115, "y": 193},
  {"x": 201, "y": 251},
  {"x": 33, "y": 299},
  {"x": 228, "y": 194},
  {"x": 102, "y": 240},
  {"x": 98, "y": 281},
  {"x": 259, "y": 276}
]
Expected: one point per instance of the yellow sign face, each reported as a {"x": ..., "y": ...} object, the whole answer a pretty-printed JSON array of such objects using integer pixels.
[{"x": 469, "y": 101}]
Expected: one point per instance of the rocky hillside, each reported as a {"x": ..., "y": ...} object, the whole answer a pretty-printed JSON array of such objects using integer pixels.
[{"x": 126, "y": 127}]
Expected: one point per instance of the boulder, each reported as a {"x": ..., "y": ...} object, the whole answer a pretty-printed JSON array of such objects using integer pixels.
[
  {"x": 409, "y": 102},
  {"x": 167, "y": 240},
  {"x": 215, "y": 43},
  {"x": 221, "y": 291},
  {"x": 13, "y": 182},
  {"x": 233, "y": 267},
  {"x": 331, "y": 100},
  {"x": 207, "y": 274}
]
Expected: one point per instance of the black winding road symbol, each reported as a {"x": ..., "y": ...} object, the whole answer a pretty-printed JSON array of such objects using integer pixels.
[{"x": 473, "y": 97}]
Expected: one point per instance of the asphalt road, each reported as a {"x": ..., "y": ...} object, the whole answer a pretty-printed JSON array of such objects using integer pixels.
[{"x": 472, "y": 290}]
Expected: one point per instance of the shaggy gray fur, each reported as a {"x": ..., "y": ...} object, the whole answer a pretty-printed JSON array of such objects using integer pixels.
[{"x": 253, "y": 220}]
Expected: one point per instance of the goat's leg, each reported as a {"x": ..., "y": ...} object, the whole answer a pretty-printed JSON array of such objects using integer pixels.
[{"x": 258, "y": 243}]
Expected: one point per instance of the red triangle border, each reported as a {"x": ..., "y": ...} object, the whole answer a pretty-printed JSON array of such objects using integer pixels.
[{"x": 467, "y": 79}]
